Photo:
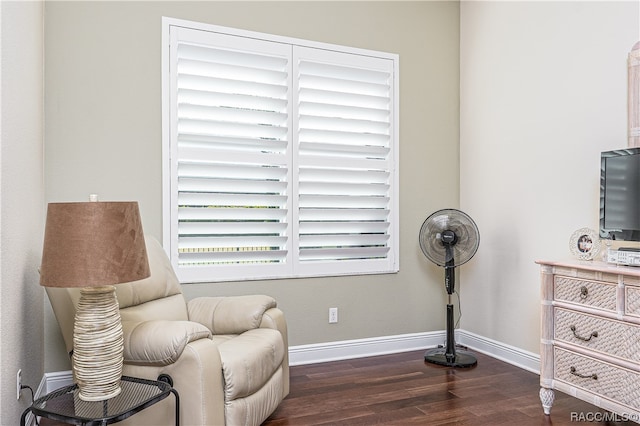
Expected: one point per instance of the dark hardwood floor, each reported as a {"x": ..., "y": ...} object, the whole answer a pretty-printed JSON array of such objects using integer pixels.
[{"x": 401, "y": 389}]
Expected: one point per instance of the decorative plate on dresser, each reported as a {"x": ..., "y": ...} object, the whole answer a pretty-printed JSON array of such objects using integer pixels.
[{"x": 590, "y": 336}]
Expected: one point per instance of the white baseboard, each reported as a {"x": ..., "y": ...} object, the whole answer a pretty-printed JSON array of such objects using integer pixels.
[
  {"x": 507, "y": 353},
  {"x": 55, "y": 380},
  {"x": 360, "y": 348}
]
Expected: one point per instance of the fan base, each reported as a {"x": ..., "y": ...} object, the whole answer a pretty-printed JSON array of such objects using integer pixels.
[{"x": 460, "y": 359}]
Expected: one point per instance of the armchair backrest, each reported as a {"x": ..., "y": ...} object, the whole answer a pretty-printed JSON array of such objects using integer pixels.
[{"x": 157, "y": 297}]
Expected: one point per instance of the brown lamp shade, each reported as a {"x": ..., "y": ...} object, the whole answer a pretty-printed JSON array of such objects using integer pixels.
[{"x": 93, "y": 244}]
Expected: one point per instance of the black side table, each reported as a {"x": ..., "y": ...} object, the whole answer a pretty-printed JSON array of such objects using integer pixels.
[{"x": 64, "y": 405}]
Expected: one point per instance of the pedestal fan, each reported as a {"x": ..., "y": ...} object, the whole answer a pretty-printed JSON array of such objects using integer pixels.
[{"x": 449, "y": 238}]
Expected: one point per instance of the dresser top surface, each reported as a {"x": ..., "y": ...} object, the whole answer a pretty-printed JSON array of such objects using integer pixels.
[{"x": 593, "y": 265}]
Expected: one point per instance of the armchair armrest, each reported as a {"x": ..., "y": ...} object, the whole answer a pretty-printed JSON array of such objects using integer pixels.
[
  {"x": 230, "y": 315},
  {"x": 159, "y": 342},
  {"x": 274, "y": 318}
]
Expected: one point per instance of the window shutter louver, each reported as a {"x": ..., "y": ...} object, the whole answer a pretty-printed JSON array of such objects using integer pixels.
[
  {"x": 233, "y": 160},
  {"x": 344, "y": 160},
  {"x": 281, "y": 156}
]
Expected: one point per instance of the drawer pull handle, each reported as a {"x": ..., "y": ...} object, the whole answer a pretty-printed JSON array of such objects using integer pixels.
[
  {"x": 584, "y": 292},
  {"x": 577, "y": 336},
  {"x": 583, "y": 376}
]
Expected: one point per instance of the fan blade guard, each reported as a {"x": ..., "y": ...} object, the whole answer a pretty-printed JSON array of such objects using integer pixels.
[{"x": 443, "y": 222}]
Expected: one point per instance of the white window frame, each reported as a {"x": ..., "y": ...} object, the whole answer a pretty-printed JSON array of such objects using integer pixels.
[{"x": 291, "y": 267}]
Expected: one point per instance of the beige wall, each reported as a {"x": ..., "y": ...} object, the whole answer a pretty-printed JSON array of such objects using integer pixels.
[
  {"x": 543, "y": 92},
  {"x": 21, "y": 202},
  {"x": 103, "y": 135}
]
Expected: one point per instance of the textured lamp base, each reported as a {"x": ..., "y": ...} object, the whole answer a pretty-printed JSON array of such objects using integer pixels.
[{"x": 97, "y": 344}]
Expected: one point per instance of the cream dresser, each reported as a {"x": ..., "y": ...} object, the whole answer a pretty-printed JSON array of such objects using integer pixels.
[{"x": 590, "y": 336}]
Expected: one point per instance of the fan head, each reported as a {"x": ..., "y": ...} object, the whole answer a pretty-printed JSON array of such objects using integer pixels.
[{"x": 447, "y": 235}]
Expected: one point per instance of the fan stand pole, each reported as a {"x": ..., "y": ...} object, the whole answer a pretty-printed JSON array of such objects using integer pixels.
[{"x": 448, "y": 356}]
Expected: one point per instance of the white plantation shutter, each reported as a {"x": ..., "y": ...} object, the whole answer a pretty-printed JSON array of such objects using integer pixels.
[
  {"x": 232, "y": 161},
  {"x": 345, "y": 161},
  {"x": 280, "y": 156}
]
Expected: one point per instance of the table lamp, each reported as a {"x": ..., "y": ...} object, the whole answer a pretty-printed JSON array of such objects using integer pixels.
[{"x": 95, "y": 245}]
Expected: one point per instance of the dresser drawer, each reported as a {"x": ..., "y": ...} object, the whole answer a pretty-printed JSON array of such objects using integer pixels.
[
  {"x": 609, "y": 381},
  {"x": 608, "y": 336},
  {"x": 595, "y": 294},
  {"x": 632, "y": 301}
]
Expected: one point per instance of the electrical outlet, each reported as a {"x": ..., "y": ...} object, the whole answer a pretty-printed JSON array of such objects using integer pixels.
[
  {"x": 333, "y": 315},
  {"x": 19, "y": 383}
]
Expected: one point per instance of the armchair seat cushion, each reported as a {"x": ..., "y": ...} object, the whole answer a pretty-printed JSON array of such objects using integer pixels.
[{"x": 249, "y": 360}]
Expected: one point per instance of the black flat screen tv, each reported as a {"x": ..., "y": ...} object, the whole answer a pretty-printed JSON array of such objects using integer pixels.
[{"x": 620, "y": 194}]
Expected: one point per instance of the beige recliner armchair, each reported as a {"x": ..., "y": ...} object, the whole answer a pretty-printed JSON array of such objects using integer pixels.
[{"x": 227, "y": 356}]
